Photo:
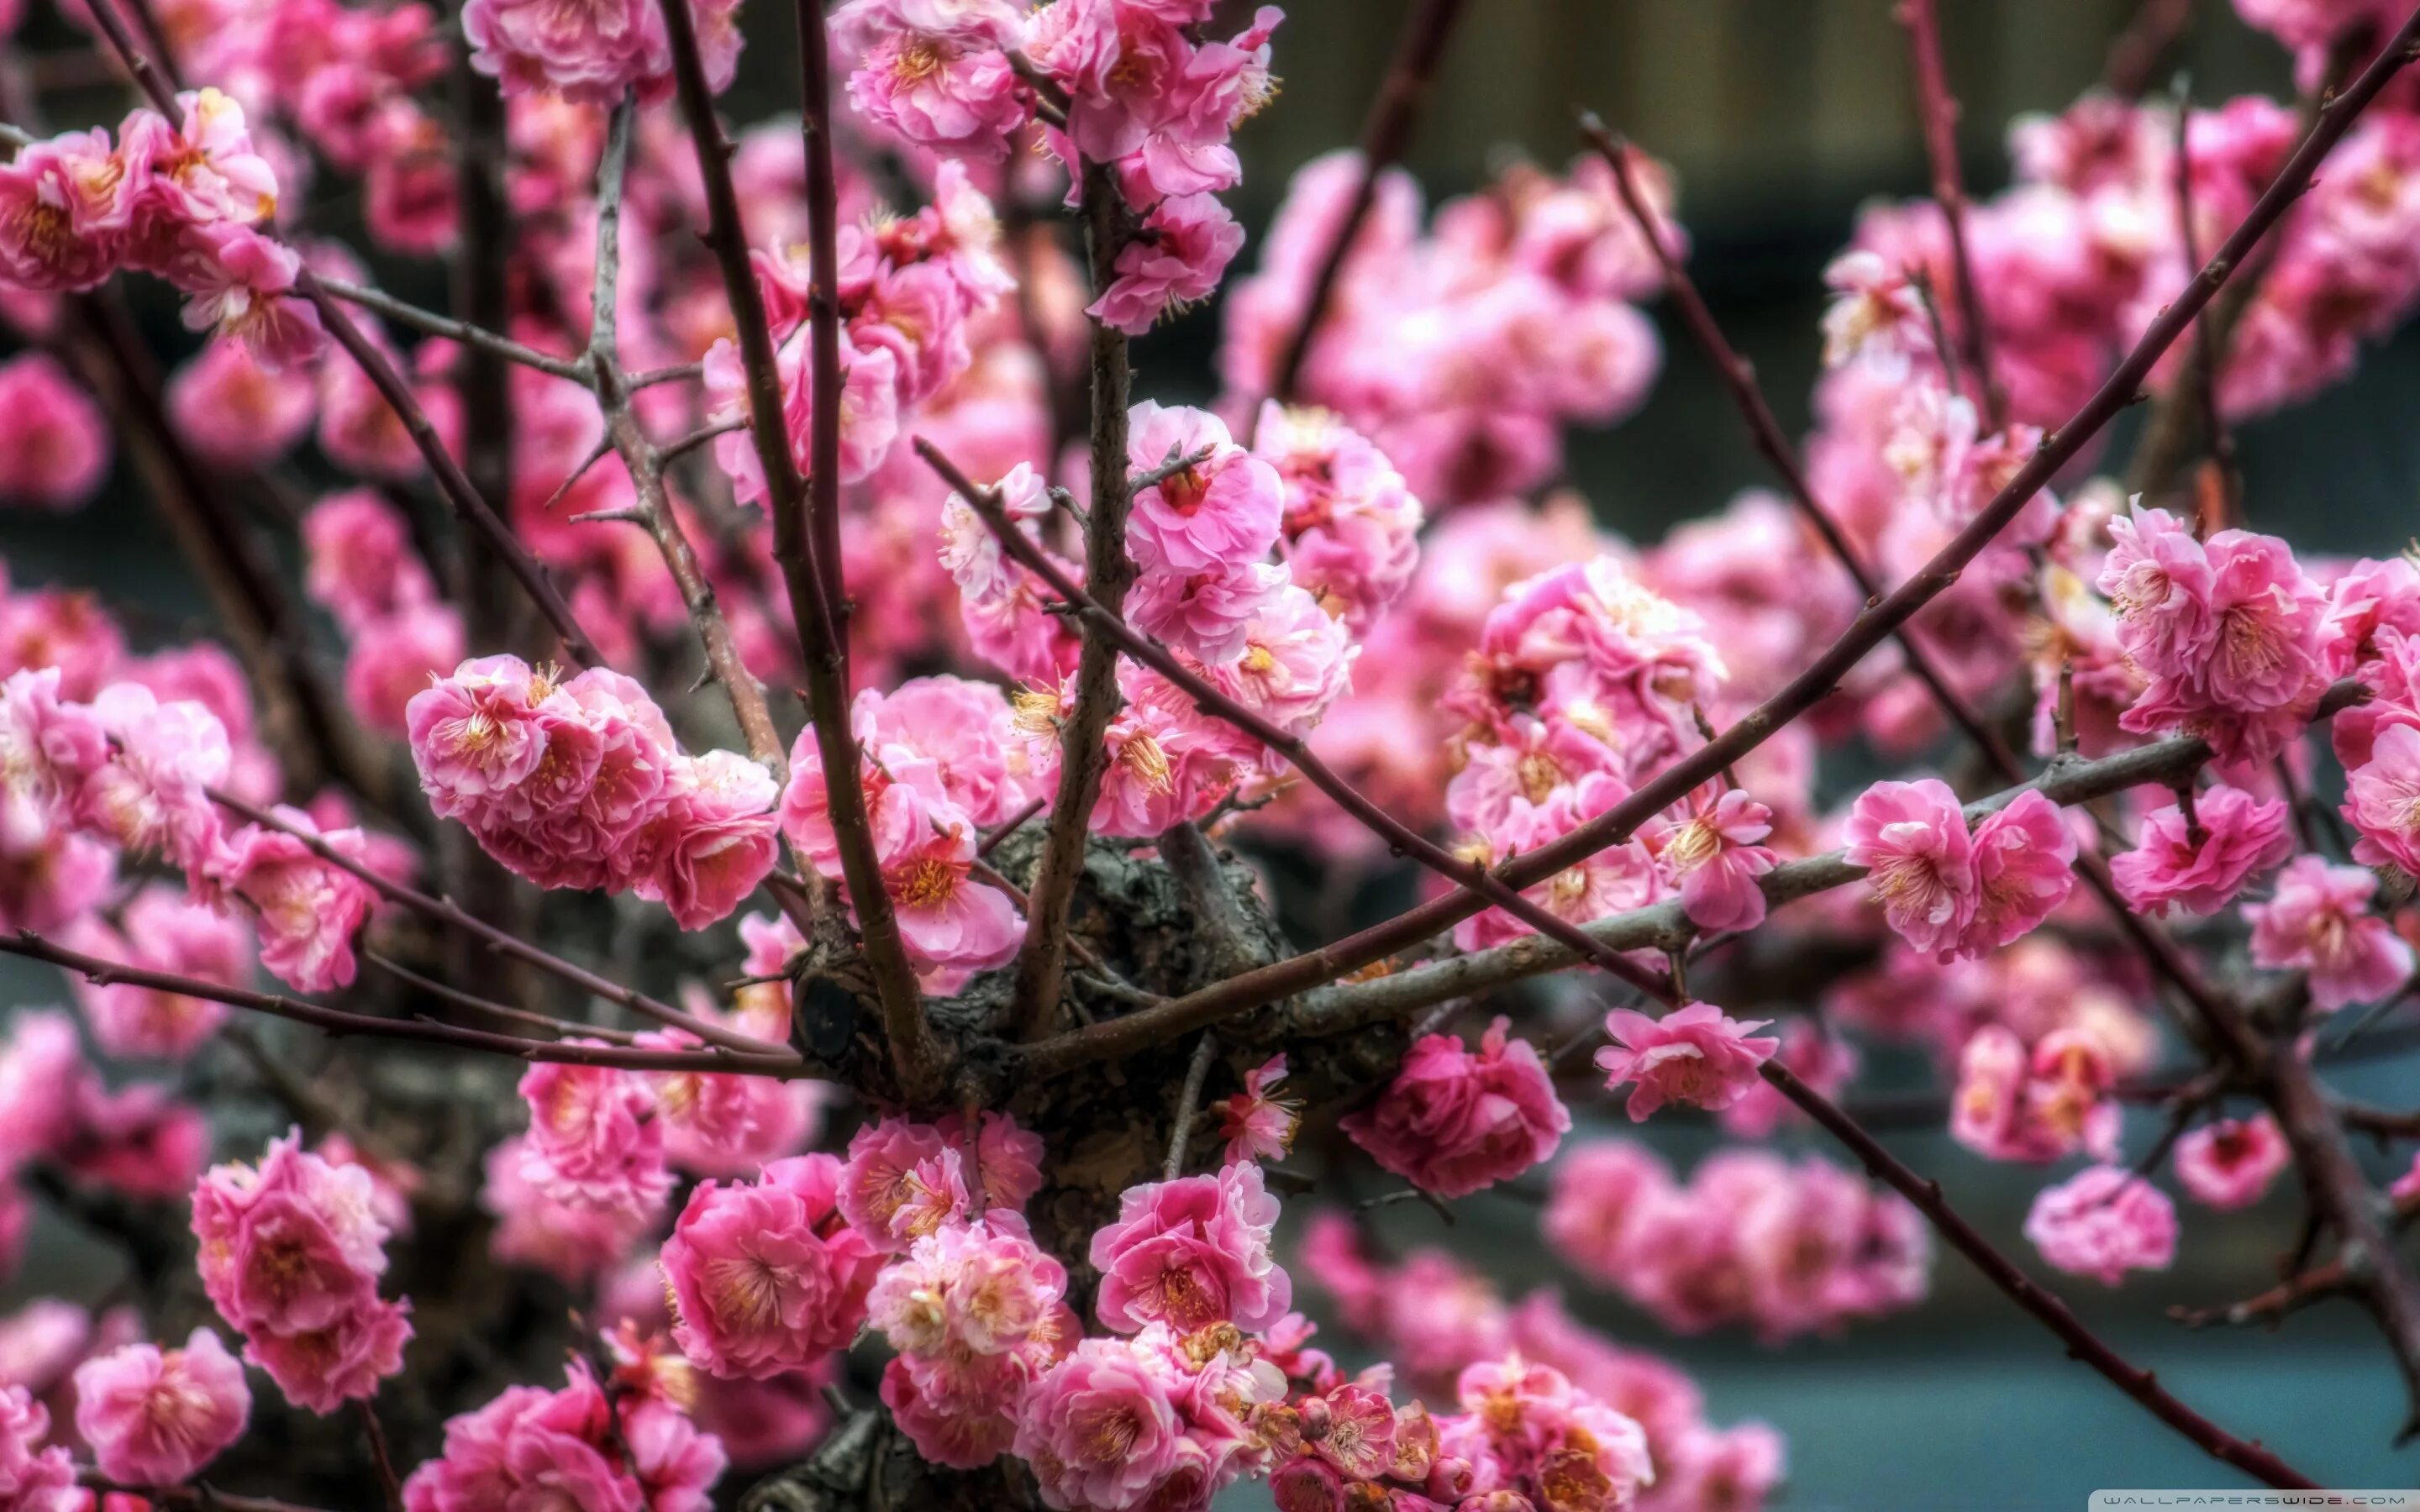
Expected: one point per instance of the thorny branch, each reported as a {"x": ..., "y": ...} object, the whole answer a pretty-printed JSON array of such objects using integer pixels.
[{"x": 1939, "y": 109}]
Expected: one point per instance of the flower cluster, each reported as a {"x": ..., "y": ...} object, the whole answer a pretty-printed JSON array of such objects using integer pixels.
[
  {"x": 1436, "y": 1320},
  {"x": 361, "y": 565},
  {"x": 1945, "y": 889},
  {"x": 1463, "y": 351},
  {"x": 2103, "y": 1222},
  {"x": 1789, "y": 1248},
  {"x": 53, "y": 444},
  {"x": 1144, "y": 96},
  {"x": 1453, "y": 1121},
  {"x": 177, "y": 200},
  {"x": 632, "y": 1451},
  {"x": 581, "y": 783},
  {"x": 2036, "y": 1104},
  {"x": 908, "y": 289},
  {"x": 1201, "y": 533},
  {"x": 593, "y": 55},
  {"x": 292, "y": 1253},
  {"x": 766, "y": 1276},
  {"x": 136, "y": 772}
]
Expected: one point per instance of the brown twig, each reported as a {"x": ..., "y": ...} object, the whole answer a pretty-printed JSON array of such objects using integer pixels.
[
  {"x": 2134, "y": 57},
  {"x": 1041, "y": 958},
  {"x": 200, "y": 1497},
  {"x": 1816, "y": 682},
  {"x": 2054, "y": 1314},
  {"x": 446, "y": 912},
  {"x": 382, "y": 1458},
  {"x": 1939, "y": 109},
  {"x": 919, "y": 1060},
  {"x": 1384, "y": 137},
  {"x": 341, "y": 1023},
  {"x": 560, "y": 1027},
  {"x": 2202, "y": 372},
  {"x": 461, "y": 332},
  {"x": 1189, "y": 1104}
]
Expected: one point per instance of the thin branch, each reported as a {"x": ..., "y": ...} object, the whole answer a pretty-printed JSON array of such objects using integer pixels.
[
  {"x": 2082, "y": 1343},
  {"x": 382, "y": 1458},
  {"x": 548, "y": 1023},
  {"x": 1939, "y": 108},
  {"x": 1877, "y": 622},
  {"x": 2202, "y": 372},
  {"x": 645, "y": 463},
  {"x": 403, "y": 313},
  {"x": 341, "y": 1023},
  {"x": 1332, "y": 1010},
  {"x": 1384, "y": 137},
  {"x": 1011, "y": 826},
  {"x": 2135, "y": 59},
  {"x": 823, "y": 314},
  {"x": 446, "y": 912},
  {"x": 1108, "y": 572},
  {"x": 198, "y": 1498},
  {"x": 1189, "y": 1103}
]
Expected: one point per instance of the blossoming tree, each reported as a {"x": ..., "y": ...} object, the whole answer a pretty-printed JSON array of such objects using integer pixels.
[{"x": 868, "y": 1072}]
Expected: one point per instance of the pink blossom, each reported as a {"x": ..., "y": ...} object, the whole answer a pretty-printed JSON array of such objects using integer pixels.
[
  {"x": 54, "y": 445},
  {"x": 305, "y": 910},
  {"x": 983, "y": 1287},
  {"x": 1697, "y": 1054},
  {"x": 32, "y": 1478},
  {"x": 902, "y": 1180},
  {"x": 2103, "y": 1222},
  {"x": 48, "y": 748},
  {"x": 1715, "y": 858},
  {"x": 150, "y": 797},
  {"x": 2230, "y": 1163},
  {"x": 154, "y": 1418},
  {"x": 1190, "y": 1252},
  {"x": 163, "y": 931},
  {"x": 763, "y": 1278},
  {"x": 528, "y": 1447},
  {"x": 2318, "y": 919},
  {"x": 1453, "y": 1121},
  {"x": 595, "y": 1140},
  {"x": 959, "y": 1413},
  {"x": 1595, "y": 1191},
  {"x": 475, "y": 733},
  {"x": 242, "y": 284},
  {"x": 235, "y": 413},
  {"x": 359, "y": 562},
  {"x": 2158, "y": 579},
  {"x": 1876, "y": 313},
  {"x": 1219, "y": 515},
  {"x": 2036, "y": 1103},
  {"x": 1100, "y": 1428},
  {"x": 1912, "y": 840},
  {"x": 533, "y": 1229},
  {"x": 592, "y": 55},
  {"x": 1205, "y": 614},
  {"x": 1352, "y": 526},
  {"x": 1195, "y": 239},
  {"x": 719, "y": 837},
  {"x": 1009, "y": 1158},
  {"x": 66, "y": 206},
  {"x": 206, "y": 171},
  {"x": 394, "y": 657},
  {"x": 2241, "y": 839},
  {"x": 2382, "y": 800},
  {"x": 1256, "y": 1125},
  {"x": 936, "y": 72},
  {"x": 2025, "y": 868}
]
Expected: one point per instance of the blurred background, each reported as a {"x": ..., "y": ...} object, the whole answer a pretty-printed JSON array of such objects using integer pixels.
[{"x": 1779, "y": 116}]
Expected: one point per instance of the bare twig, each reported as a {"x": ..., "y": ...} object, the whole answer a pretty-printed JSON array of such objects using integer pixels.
[
  {"x": 1939, "y": 108},
  {"x": 2135, "y": 59},
  {"x": 1385, "y": 135},
  {"x": 1040, "y": 961},
  {"x": 1189, "y": 1104},
  {"x": 446, "y": 912},
  {"x": 462, "y": 332},
  {"x": 341, "y": 1023},
  {"x": 919, "y": 1058}
]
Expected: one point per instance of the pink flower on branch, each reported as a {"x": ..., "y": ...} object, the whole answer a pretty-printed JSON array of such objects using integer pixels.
[{"x": 1697, "y": 1054}]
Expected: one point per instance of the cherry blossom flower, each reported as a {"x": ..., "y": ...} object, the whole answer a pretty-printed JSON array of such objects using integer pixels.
[
  {"x": 2229, "y": 1163},
  {"x": 595, "y": 1140},
  {"x": 1453, "y": 1121},
  {"x": 762, "y": 1280},
  {"x": 55, "y": 447},
  {"x": 1256, "y": 1125},
  {"x": 1213, "y": 517},
  {"x": 2382, "y": 800},
  {"x": 1911, "y": 838},
  {"x": 155, "y": 1418},
  {"x": 2102, "y": 1223},
  {"x": 305, "y": 910},
  {"x": 1190, "y": 1252},
  {"x": 2025, "y": 868},
  {"x": 1715, "y": 858},
  {"x": 2240, "y": 837},
  {"x": 2318, "y": 919},
  {"x": 936, "y": 72},
  {"x": 1697, "y": 1054},
  {"x": 1100, "y": 1428}
]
